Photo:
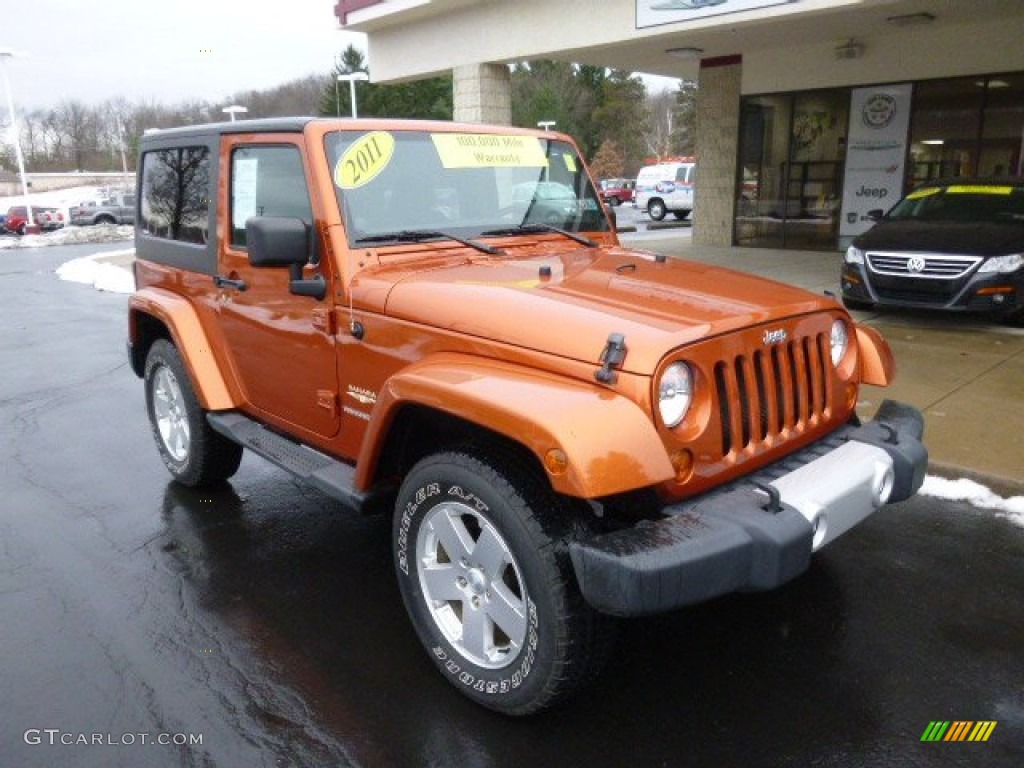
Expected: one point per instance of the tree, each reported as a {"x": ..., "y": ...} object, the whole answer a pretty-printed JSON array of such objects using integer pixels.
[
  {"x": 592, "y": 104},
  {"x": 426, "y": 99},
  {"x": 608, "y": 162},
  {"x": 672, "y": 121}
]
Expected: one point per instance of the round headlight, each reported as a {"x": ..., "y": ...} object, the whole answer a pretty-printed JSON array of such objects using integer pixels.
[
  {"x": 838, "y": 340},
  {"x": 675, "y": 392}
]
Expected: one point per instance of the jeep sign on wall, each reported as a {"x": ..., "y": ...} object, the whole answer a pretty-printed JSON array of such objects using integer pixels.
[
  {"x": 651, "y": 13},
  {"x": 875, "y": 154}
]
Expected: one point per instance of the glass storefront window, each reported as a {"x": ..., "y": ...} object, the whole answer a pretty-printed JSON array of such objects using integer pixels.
[
  {"x": 791, "y": 156},
  {"x": 944, "y": 129},
  {"x": 793, "y": 146},
  {"x": 1002, "y": 137}
]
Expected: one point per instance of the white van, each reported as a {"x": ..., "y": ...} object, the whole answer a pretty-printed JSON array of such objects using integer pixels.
[{"x": 666, "y": 187}]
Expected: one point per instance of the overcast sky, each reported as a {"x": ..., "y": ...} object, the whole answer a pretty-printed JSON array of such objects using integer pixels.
[{"x": 167, "y": 51}]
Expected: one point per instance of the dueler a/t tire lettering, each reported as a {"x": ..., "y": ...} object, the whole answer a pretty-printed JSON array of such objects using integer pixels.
[
  {"x": 194, "y": 453},
  {"x": 484, "y": 571}
]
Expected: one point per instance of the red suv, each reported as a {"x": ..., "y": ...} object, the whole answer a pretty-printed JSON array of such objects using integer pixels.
[
  {"x": 617, "y": 191},
  {"x": 45, "y": 218}
]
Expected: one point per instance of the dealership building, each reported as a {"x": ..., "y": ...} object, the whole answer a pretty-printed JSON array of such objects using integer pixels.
[{"x": 810, "y": 112}]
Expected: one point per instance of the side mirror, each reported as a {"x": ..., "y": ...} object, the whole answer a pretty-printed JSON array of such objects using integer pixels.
[
  {"x": 277, "y": 241},
  {"x": 876, "y": 214}
]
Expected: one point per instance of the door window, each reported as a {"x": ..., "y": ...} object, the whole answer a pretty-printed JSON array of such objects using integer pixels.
[{"x": 267, "y": 181}]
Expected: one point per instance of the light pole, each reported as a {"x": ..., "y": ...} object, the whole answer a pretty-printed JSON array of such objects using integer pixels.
[
  {"x": 233, "y": 110},
  {"x": 5, "y": 54},
  {"x": 351, "y": 77}
]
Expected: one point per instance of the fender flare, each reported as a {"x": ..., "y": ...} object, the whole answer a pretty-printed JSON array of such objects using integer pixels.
[
  {"x": 877, "y": 364},
  {"x": 214, "y": 391},
  {"x": 611, "y": 444}
]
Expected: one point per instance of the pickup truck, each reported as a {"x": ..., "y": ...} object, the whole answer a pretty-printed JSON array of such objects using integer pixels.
[
  {"x": 118, "y": 209},
  {"x": 563, "y": 430}
]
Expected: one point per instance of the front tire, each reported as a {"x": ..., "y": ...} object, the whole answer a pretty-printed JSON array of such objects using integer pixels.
[
  {"x": 613, "y": 201},
  {"x": 483, "y": 566},
  {"x": 194, "y": 453},
  {"x": 656, "y": 210}
]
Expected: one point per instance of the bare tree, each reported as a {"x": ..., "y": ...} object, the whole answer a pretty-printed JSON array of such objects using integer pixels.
[{"x": 672, "y": 121}]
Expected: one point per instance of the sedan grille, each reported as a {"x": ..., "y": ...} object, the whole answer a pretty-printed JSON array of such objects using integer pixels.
[
  {"x": 935, "y": 267},
  {"x": 773, "y": 393}
]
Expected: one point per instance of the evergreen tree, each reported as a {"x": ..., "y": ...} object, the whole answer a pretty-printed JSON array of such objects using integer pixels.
[{"x": 428, "y": 99}]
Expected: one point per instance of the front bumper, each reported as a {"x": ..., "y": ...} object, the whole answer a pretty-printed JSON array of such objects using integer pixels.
[
  {"x": 759, "y": 532},
  {"x": 975, "y": 292}
]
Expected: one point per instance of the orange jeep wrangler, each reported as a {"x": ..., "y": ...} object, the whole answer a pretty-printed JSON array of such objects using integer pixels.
[{"x": 438, "y": 320}]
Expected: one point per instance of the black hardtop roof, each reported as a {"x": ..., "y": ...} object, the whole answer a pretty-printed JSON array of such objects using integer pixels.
[{"x": 266, "y": 125}]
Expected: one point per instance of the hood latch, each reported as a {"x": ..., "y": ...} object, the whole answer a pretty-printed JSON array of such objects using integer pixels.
[{"x": 612, "y": 355}]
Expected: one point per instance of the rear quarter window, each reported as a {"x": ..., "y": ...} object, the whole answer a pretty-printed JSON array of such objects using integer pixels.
[{"x": 176, "y": 193}]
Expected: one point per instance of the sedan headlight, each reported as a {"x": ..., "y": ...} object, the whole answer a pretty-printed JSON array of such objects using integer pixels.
[
  {"x": 838, "y": 340},
  {"x": 675, "y": 393},
  {"x": 1003, "y": 263},
  {"x": 854, "y": 255}
]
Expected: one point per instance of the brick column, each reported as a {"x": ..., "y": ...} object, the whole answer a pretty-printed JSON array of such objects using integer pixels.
[
  {"x": 482, "y": 93},
  {"x": 718, "y": 130}
]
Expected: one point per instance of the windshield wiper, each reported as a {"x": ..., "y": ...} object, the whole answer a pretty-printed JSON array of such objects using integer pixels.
[
  {"x": 419, "y": 235},
  {"x": 527, "y": 228}
]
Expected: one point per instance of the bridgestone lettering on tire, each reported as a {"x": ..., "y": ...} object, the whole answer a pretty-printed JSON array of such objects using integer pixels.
[
  {"x": 483, "y": 567},
  {"x": 193, "y": 452}
]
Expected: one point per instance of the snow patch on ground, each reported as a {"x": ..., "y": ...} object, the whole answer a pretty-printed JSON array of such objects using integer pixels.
[
  {"x": 100, "y": 233},
  {"x": 102, "y": 276},
  {"x": 976, "y": 495}
]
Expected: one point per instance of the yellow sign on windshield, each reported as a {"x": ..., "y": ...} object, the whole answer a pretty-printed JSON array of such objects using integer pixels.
[
  {"x": 361, "y": 162},
  {"x": 977, "y": 189},
  {"x": 923, "y": 193},
  {"x": 488, "y": 150}
]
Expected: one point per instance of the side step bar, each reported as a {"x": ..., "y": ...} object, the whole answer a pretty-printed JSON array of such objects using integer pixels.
[{"x": 333, "y": 477}]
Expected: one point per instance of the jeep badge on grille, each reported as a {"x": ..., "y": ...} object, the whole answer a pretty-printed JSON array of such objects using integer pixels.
[{"x": 775, "y": 337}]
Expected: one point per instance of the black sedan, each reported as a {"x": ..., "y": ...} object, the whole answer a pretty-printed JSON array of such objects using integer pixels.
[{"x": 956, "y": 244}]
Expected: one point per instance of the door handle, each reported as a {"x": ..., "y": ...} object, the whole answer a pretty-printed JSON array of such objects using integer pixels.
[{"x": 227, "y": 282}]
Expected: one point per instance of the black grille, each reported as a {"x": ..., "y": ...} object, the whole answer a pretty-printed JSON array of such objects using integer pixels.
[{"x": 770, "y": 391}]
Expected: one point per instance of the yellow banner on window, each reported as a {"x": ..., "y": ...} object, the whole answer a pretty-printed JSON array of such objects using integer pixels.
[
  {"x": 977, "y": 189},
  {"x": 917, "y": 195},
  {"x": 488, "y": 150}
]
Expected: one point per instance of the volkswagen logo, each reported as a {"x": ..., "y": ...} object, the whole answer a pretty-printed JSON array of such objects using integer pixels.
[{"x": 915, "y": 264}]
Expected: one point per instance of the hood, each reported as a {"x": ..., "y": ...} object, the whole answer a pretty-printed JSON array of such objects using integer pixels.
[
  {"x": 948, "y": 237},
  {"x": 588, "y": 295}
]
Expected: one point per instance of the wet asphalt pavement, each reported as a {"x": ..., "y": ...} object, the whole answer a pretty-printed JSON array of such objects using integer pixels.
[{"x": 267, "y": 622}]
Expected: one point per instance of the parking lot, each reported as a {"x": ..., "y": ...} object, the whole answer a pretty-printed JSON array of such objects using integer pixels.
[{"x": 266, "y": 622}]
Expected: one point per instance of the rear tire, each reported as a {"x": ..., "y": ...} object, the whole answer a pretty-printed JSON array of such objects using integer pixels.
[
  {"x": 481, "y": 554},
  {"x": 613, "y": 201},
  {"x": 194, "y": 453},
  {"x": 105, "y": 220}
]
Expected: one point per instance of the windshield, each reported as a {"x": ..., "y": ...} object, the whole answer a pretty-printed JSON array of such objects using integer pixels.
[
  {"x": 962, "y": 202},
  {"x": 469, "y": 184}
]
